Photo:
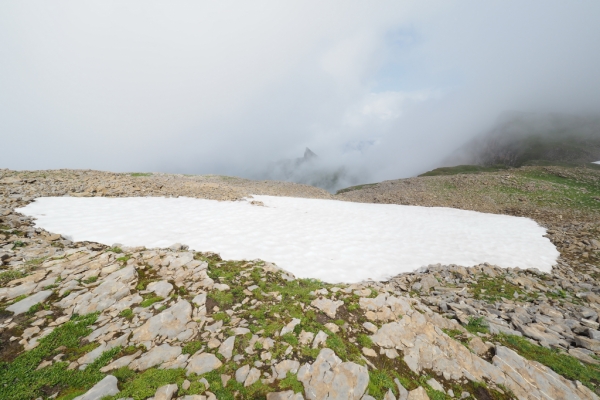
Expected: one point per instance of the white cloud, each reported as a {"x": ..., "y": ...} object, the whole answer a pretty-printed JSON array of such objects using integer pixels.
[{"x": 221, "y": 87}]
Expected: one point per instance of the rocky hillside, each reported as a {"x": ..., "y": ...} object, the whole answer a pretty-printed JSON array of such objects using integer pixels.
[
  {"x": 84, "y": 320},
  {"x": 520, "y": 139}
]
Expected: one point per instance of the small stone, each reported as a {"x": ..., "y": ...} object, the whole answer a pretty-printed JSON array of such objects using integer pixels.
[
  {"x": 290, "y": 327},
  {"x": 286, "y": 366},
  {"x": 226, "y": 348},
  {"x": 161, "y": 288},
  {"x": 369, "y": 352},
  {"x": 320, "y": 338},
  {"x": 252, "y": 377},
  {"x": 435, "y": 385},
  {"x": 306, "y": 338},
  {"x": 156, "y": 356},
  {"x": 587, "y": 343},
  {"x": 203, "y": 363},
  {"x": 418, "y": 394},
  {"x": 242, "y": 373},
  {"x": 165, "y": 392},
  {"x": 225, "y": 379},
  {"x": 106, "y": 387},
  {"x": 24, "y": 305},
  {"x": 186, "y": 384},
  {"x": 370, "y": 327},
  {"x": 329, "y": 307}
]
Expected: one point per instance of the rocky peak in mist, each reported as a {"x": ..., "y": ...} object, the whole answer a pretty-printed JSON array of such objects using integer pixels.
[
  {"x": 520, "y": 138},
  {"x": 310, "y": 169}
]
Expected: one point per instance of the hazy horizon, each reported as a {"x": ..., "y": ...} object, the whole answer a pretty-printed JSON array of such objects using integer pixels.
[{"x": 380, "y": 90}]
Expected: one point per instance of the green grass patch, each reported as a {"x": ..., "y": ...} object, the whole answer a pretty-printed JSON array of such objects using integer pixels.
[
  {"x": 477, "y": 325},
  {"x": 221, "y": 316},
  {"x": 11, "y": 275},
  {"x": 380, "y": 382},
  {"x": 495, "y": 289},
  {"x": 223, "y": 299},
  {"x": 290, "y": 338},
  {"x": 563, "y": 364},
  {"x": 140, "y": 174},
  {"x": 91, "y": 279},
  {"x": 19, "y": 379},
  {"x": 127, "y": 313},
  {"x": 291, "y": 382},
  {"x": 463, "y": 169},
  {"x": 123, "y": 260},
  {"x": 151, "y": 300},
  {"x": 364, "y": 340},
  {"x": 144, "y": 385},
  {"x": 18, "y": 243},
  {"x": 357, "y": 187},
  {"x": 192, "y": 347},
  {"x": 457, "y": 335},
  {"x": 115, "y": 250}
]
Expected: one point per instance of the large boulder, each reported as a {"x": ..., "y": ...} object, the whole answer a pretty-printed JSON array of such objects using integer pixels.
[
  {"x": 168, "y": 324},
  {"x": 203, "y": 363},
  {"x": 329, "y": 307},
  {"x": 156, "y": 356},
  {"x": 330, "y": 378},
  {"x": 106, "y": 387}
]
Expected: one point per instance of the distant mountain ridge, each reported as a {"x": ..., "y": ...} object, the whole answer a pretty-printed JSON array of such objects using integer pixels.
[
  {"x": 527, "y": 139},
  {"x": 312, "y": 170}
]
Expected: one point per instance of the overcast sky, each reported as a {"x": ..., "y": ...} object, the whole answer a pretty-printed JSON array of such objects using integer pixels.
[{"x": 390, "y": 88}]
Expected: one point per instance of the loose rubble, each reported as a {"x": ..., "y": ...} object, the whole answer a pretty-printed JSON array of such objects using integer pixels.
[{"x": 79, "y": 318}]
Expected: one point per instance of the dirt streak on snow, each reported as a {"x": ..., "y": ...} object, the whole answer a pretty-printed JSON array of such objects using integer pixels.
[{"x": 331, "y": 240}]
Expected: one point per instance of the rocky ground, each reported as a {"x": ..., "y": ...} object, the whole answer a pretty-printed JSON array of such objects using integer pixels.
[{"x": 83, "y": 320}]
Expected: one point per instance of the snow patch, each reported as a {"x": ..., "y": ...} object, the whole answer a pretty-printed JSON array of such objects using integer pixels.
[{"x": 331, "y": 240}]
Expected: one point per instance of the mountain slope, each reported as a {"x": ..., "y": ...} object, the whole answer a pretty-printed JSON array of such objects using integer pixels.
[{"x": 533, "y": 139}]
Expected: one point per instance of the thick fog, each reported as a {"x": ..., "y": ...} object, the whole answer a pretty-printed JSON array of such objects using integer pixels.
[{"x": 378, "y": 90}]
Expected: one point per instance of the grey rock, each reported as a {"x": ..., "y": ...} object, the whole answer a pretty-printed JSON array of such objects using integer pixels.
[
  {"x": 203, "y": 363},
  {"x": 582, "y": 356},
  {"x": 226, "y": 348},
  {"x": 24, "y": 305},
  {"x": 252, "y": 377},
  {"x": 402, "y": 392},
  {"x": 329, "y": 307},
  {"x": 389, "y": 395},
  {"x": 242, "y": 373},
  {"x": 106, "y": 387},
  {"x": 156, "y": 356},
  {"x": 435, "y": 385},
  {"x": 121, "y": 362},
  {"x": 418, "y": 394},
  {"x": 589, "y": 323},
  {"x": 161, "y": 288},
  {"x": 287, "y": 395},
  {"x": 594, "y": 334},
  {"x": 286, "y": 366},
  {"x": 587, "y": 343},
  {"x": 97, "y": 352},
  {"x": 16, "y": 291},
  {"x": 370, "y": 327},
  {"x": 199, "y": 300},
  {"x": 168, "y": 324},
  {"x": 165, "y": 392},
  {"x": 290, "y": 327},
  {"x": 320, "y": 338},
  {"x": 330, "y": 378}
]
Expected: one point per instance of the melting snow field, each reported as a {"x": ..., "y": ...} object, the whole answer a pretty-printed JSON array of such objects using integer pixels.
[{"x": 331, "y": 240}]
